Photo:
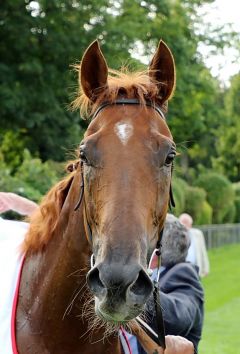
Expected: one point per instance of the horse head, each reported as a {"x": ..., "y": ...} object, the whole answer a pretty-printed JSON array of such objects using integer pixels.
[{"x": 126, "y": 155}]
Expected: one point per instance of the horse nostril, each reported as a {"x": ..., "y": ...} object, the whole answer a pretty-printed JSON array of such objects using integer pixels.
[
  {"x": 142, "y": 287},
  {"x": 94, "y": 282}
]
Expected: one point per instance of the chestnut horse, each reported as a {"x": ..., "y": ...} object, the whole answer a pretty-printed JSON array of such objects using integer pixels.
[{"x": 126, "y": 159}]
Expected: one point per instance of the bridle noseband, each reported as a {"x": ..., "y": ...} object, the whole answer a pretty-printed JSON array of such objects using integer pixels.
[{"x": 158, "y": 337}]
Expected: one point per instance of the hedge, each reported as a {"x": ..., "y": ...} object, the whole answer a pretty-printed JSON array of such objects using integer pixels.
[
  {"x": 179, "y": 192},
  {"x": 220, "y": 195},
  {"x": 31, "y": 180},
  {"x": 194, "y": 200},
  {"x": 205, "y": 217},
  {"x": 237, "y": 207}
]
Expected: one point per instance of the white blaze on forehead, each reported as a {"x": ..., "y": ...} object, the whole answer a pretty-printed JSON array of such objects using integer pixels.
[{"x": 124, "y": 131}]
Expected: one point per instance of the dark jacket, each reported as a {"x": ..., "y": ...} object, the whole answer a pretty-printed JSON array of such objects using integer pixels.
[{"x": 181, "y": 298}]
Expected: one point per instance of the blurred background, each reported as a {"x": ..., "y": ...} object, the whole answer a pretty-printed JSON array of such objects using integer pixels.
[{"x": 41, "y": 40}]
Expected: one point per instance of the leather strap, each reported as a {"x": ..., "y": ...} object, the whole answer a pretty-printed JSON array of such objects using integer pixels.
[
  {"x": 159, "y": 316},
  {"x": 130, "y": 101}
]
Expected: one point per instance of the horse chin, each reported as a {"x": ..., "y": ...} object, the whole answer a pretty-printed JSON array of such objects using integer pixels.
[
  {"x": 111, "y": 317},
  {"x": 116, "y": 317}
]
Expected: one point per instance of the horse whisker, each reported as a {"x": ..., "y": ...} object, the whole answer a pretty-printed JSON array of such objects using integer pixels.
[{"x": 69, "y": 307}]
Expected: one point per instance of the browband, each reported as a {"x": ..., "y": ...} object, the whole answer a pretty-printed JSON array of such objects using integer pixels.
[{"x": 131, "y": 101}]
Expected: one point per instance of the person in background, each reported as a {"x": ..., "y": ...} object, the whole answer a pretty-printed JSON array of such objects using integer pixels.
[
  {"x": 12, "y": 201},
  {"x": 181, "y": 292},
  {"x": 197, "y": 253},
  {"x": 23, "y": 206}
]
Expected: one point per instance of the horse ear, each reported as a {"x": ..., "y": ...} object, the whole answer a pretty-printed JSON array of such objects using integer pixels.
[
  {"x": 94, "y": 71},
  {"x": 162, "y": 70}
]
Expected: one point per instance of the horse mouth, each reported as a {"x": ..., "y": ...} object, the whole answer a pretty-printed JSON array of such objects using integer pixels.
[
  {"x": 117, "y": 318},
  {"x": 114, "y": 318}
]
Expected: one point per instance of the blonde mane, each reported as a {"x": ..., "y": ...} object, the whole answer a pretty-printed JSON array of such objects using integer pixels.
[
  {"x": 120, "y": 83},
  {"x": 44, "y": 220}
]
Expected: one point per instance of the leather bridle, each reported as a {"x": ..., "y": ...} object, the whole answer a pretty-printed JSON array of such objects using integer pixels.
[
  {"x": 129, "y": 101},
  {"x": 158, "y": 337}
]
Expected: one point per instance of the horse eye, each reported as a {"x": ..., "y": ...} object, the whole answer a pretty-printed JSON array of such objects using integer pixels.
[
  {"x": 83, "y": 156},
  {"x": 170, "y": 158}
]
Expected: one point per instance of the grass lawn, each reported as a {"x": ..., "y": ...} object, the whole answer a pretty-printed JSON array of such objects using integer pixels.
[{"x": 221, "y": 331}]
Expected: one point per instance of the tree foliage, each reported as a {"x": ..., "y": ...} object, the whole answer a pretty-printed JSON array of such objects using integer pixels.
[
  {"x": 220, "y": 195},
  {"x": 32, "y": 180},
  {"x": 39, "y": 40},
  {"x": 228, "y": 146}
]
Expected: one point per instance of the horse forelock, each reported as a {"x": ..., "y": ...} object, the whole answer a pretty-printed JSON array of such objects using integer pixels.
[
  {"x": 121, "y": 83},
  {"x": 45, "y": 219}
]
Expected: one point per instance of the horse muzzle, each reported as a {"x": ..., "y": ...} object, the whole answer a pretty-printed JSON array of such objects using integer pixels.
[{"x": 120, "y": 291}]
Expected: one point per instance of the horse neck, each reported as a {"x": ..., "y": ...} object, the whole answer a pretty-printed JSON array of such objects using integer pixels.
[{"x": 50, "y": 283}]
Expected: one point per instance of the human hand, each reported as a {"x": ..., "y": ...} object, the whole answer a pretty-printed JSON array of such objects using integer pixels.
[
  {"x": 178, "y": 345},
  {"x": 5, "y": 202},
  {"x": 174, "y": 344},
  {"x": 12, "y": 201}
]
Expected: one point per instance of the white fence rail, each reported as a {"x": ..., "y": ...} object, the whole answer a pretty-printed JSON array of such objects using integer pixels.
[{"x": 220, "y": 235}]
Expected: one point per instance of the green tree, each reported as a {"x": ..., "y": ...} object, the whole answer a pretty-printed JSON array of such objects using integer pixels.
[
  {"x": 32, "y": 179},
  {"x": 228, "y": 146},
  {"x": 39, "y": 40}
]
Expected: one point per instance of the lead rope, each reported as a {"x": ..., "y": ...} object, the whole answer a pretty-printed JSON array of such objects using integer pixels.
[
  {"x": 124, "y": 341},
  {"x": 159, "y": 336},
  {"x": 156, "y": 297}
]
